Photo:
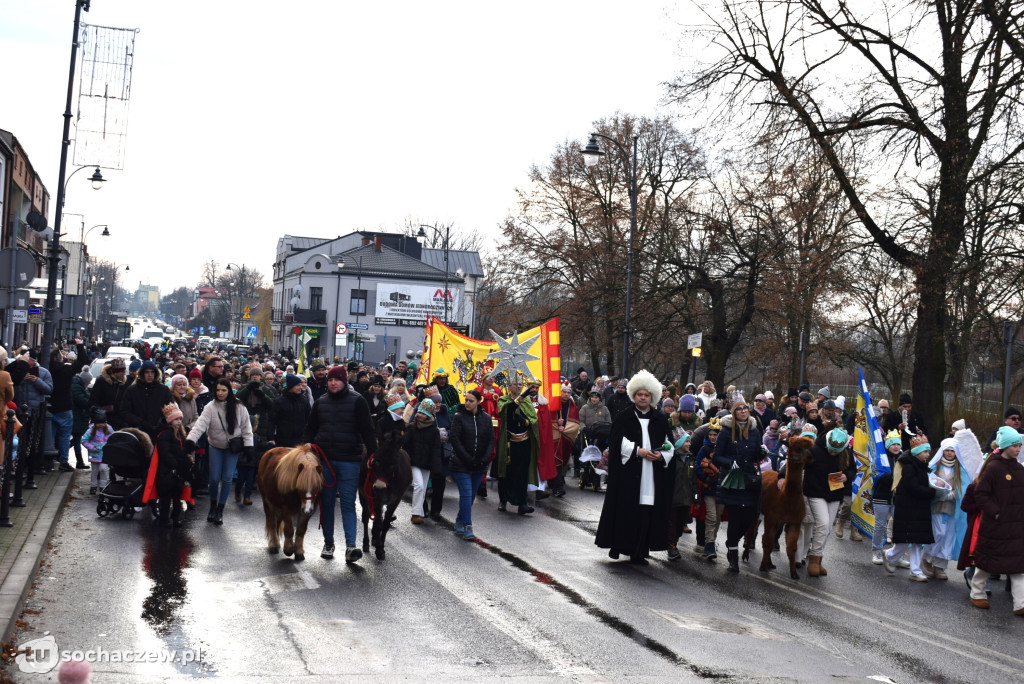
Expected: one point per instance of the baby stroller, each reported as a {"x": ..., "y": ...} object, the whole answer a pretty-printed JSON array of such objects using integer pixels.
[
  {"x": 590, "y": 473},
  {"x": 127, "y": 454}
]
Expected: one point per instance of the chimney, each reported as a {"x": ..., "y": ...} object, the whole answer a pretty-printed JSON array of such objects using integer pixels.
[
  {"x": 377, "y": 241},
  {"x": 365, "y": 241}
]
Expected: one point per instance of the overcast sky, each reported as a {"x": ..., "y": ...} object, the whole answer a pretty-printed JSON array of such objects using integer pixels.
[{"x": 253, "y": 119}]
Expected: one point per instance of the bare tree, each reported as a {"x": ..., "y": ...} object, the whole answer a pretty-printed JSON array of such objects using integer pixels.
[{"x": 861, "y": 83}]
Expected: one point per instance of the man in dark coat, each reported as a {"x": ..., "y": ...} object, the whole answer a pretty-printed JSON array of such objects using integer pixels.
[
  {"x": 641, "y": 477},
  {"x": 914, "y": 424},
  {"x": 144, "y": 401},
  {"x": 1012, "y": 419},
  {"x": 317, "y": 382},
  {"x": 619, "y": 401},
  {"x": 64, "y": 366},
  {"x": 108, "y": 392},
  {"x": 289, "y": 414}
]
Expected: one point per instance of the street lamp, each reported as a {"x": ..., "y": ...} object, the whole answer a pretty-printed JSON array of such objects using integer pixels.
[
  {"x": 592, "y": 154},
  {"x": 359, "y": 287},
  {"x": 447, "y": 236}
]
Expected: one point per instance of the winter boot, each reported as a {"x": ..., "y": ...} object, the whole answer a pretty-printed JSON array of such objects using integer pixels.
[
  {"x": 212, "y": 515},
  {"x": 855, "y": 534},
  {"x": 814, "y": 566},
  {"x": 839, "y": 529},
  {"x": 218, "y": 518},
  {"x": 734, "y": 559},
  {"x": 821, "y": 567},
  {"x": 710, "y": 552}
]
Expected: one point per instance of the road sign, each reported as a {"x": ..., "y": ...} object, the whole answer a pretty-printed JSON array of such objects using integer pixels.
[
  {"x": 202, "y": 329},
  {"x": 247, "y": 309},
  {"x": 358, "y": 326},
  {"x": 213, "y": 328},
  {"x": 341, "y": 329},
  {"x": 250, "y": 332},
  {"x": 19, "y": 316},
  {"x": 694, "y": 340},
  {"x": 246, "y": 316}
]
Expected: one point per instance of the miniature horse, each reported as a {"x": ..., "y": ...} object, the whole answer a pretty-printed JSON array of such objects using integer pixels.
[
  {"x": 290, "y": 480},
  {"x": 783, "y": 507},
  {"x": 384, "y": 478}
]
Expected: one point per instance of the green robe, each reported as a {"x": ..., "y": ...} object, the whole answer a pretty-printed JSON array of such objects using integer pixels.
[{"x": 530, "y": 414}]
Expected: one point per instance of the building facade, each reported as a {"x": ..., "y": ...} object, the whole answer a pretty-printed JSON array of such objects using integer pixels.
[{"x": 380, "y": 288}]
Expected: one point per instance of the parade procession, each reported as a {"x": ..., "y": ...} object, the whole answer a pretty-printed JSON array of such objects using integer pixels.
[{"x": 709, "y": 366}]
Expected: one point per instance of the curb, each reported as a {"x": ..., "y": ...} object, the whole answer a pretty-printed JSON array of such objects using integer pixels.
[{"x": 15, "y": 586}]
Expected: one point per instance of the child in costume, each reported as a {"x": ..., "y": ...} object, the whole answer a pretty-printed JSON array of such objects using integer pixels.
[
  {"x": 881, "y": 498},
  {"x": 949, "y": 522}
]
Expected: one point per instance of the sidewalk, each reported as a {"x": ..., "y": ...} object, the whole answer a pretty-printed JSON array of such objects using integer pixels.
[{"x": 22, "y": 546}]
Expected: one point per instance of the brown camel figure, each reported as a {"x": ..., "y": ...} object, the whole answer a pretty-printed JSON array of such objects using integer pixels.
[{"x": 783, "y": 506}]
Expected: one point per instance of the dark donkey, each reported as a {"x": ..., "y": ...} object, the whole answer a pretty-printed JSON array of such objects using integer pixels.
[{"x": 384, "y": 478}]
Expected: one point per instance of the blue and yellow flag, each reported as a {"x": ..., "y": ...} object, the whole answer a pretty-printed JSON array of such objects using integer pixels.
[{"x": 869, "y": 449}]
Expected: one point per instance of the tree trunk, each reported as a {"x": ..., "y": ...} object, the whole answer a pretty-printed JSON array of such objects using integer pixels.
[{"x": 930, "y": 350}]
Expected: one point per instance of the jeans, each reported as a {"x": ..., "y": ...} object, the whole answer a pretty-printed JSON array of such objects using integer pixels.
[
  {"x": 882, "y": 513},
  {"x": 61, "y": 424},
  {"x": 246, "y": 479},
  {"x": 467, "y": 484},
  {"x": 346, "y": 483},
  {"x": 222, "y": 467},
  {"x": 824, "y": 513}
]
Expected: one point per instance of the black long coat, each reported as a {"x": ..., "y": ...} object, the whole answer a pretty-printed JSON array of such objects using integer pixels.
[
  {"x": 912, "y": 503},
  {"x": 621, "y": 526}
]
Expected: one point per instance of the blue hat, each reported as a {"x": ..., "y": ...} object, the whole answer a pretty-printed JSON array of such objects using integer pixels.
[
  {"x": 291, "y": 380},
  {"x": 146, "y": 365},
  {"x": 426, "y": 407},
  {"x": 134, "y": 366},
  {"x": 837, "y": 440},
  {"x": 687, "y": 403}
]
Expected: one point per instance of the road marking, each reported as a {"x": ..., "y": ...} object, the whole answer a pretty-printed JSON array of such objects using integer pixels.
[{"x": 908, "y": 628}]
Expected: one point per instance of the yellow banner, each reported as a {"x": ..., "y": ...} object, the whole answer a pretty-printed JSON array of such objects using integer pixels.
[{"x": 861, "y": 513}]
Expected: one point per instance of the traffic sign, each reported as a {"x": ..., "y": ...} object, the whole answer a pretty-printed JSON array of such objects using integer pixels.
[
  {"x": 202, "y": 329},
  {"x": 358, "y": 326},
  {"x": 213, "y": 328},
  {"x": 694, "y": 340},
  {"x": 341, "y": 329},
  {"x": 250, "y": 332}
]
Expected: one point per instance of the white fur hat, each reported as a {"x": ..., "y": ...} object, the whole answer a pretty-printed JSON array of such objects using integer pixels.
[
  {"x": 643, "y": 380},
  {"x": 841, "y": 402}
]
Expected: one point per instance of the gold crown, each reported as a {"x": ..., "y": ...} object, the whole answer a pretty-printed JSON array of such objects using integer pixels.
[
  {"x": 715, "y": 424},
  {"x": 893, "y": 434},
  {"x": 918, "y": 440}
]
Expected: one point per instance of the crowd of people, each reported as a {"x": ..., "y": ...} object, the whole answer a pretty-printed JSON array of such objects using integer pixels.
[{"x": 671, "y": 457}]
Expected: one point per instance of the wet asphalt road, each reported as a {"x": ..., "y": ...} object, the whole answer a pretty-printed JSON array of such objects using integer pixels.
[{"x": 532, "y": 600}]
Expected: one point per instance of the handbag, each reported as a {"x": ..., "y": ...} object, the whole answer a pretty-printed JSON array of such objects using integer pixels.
[
  {"x": 734, "y": 479},
  {"x": 235, "y": 444}
]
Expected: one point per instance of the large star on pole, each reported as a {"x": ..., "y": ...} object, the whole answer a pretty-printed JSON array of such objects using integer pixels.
[{"x": 512, "y": 355}]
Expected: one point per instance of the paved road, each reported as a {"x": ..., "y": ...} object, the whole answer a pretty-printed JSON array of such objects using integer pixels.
[{"x": 532, "y": 600}]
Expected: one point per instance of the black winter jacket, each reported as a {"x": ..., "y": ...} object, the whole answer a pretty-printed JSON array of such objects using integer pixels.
[
  {"x": 108, "y": 394},
  {"x": 173, "y": 467},
  {"x": 288, "y": 418},
  {"x": 912, "y": 503},
  {"x": 62, "y": 374},
  {"x": 143, "y": 405},
  {"x": 817, "y": 471},
  {"x": 472, "y": 440},
  {"x": 340, "y": 424},
  {"x": 747, "y": 455},
  {"x": 423, "y": 443}
]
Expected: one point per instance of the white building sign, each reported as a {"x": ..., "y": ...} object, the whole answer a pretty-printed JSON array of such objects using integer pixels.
[{"x": 417, "y": 302}]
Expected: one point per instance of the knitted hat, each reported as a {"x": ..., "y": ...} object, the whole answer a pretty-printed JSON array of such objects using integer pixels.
[
  {"x": 760, "y": 397},
  {"x": 824, "y": 391},
  {"x": 178, "y": 377},
  {"x": 893, "y": 437},
  {"x": 905, "y": 399},
  {"x": 195, "y": 373},
  {"x": 98, "y": 415},
  {"x": 146, "y": 365},
  {"x": 1006, "y": 436},
  {"x": 792, "y": 392},
  {"x": 291, "y": 380},
  {"x": 171, "y": 411},
  {"x": 426, "y": 407},
  {"x": 959, "y": 424},
  {"x": 841, "y": 402},
  {"x": 394, "y": 401},
  {"x": 338, "y": 373},
  {"x": 668, "y": 402},
  {"x": 919, "y": 443},
  {"x": 768, "y": 395},
  {"x": 739, "y": 403},
  {"x": 790, "y": 411},
  {"x": 1012, "y": 411},
  {"x": 805, "y": 387},
  {"x": 135, "y": 365},
  {"x": 687, "y": 403},
  {"x": 836, "y": 440}
]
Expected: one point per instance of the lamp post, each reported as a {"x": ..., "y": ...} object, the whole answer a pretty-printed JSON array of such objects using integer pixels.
[
  {"x": 54, "y": 255},
  {"x": 359, "y": 286},
  {"x": 447, "y": 236},
  {"x": 592, "y": 154}
]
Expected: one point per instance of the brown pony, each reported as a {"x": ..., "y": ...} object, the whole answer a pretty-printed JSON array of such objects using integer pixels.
[
  {"x": 384, "y": 478},
  {"x": 290, "y": 480},
  {"x": 785, "y": 506}
]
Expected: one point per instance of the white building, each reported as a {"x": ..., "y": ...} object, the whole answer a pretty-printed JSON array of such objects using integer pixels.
[{"x": 381, "y": 288}]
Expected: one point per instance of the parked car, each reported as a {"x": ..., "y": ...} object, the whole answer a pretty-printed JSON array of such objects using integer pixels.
[{"x": 126, "y": 353}]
